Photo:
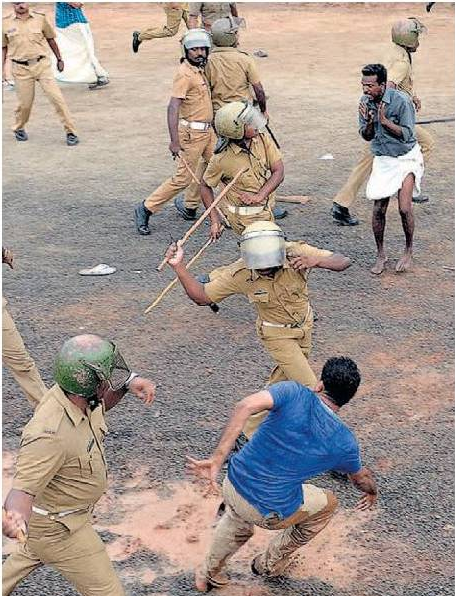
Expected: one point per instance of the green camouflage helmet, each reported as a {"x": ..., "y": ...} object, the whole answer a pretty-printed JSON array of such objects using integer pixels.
[
  {"x": 406, "y": 32},
  {"x": 84, "y": 361},
  {"x": 224, "y": 31}
]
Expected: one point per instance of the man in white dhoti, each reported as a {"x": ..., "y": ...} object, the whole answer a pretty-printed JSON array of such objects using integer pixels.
[
  {"x": 387, "y": 119},
  {"x": 76, "y": 44}
]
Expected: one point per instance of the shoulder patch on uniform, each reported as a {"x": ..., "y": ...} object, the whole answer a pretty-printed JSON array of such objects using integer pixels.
[{"x": 48, "y": 417}]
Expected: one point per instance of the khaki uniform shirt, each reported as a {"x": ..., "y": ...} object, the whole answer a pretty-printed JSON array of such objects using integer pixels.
[
  {"x": 399, "y": 69},
  {"x": 61, "y": 457},
  {"x": 230, "y": 73},
  {"x": 190, "y": 84},
  {"x": 26, "y": 39},
  {"x": 263, "y": 153},
  {"x": 281, "y": 299},
  {"x": 209, "y": 11}
]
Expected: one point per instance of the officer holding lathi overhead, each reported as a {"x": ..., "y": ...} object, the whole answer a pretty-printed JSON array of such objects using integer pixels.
[
  {"x": 61, "y": 469},
  {"x": 26, "y": 38}
]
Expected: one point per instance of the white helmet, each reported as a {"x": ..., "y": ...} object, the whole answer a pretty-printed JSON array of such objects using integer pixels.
[
  {"x": 262, "y": 245},
  {"x": 230, "y": 120},
  {"x": 196, "y": 38},
  {"x": 406, "y": 32}
]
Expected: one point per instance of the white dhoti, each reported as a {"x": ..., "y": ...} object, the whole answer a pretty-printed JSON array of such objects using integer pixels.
[
  {"x": 78, "y": 53},
  {"x": 388, "y": 174}
]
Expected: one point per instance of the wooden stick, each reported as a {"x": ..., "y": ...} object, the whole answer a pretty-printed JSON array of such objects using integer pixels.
[
  {"x": 193, "y": 175},
  {"x": 205, "y": 214},
  {"x": 294, "y": 199},
  {"x": 170, "y": 285}
]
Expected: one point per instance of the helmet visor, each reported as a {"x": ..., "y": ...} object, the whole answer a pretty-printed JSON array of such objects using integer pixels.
[
  {"x": 251, "y": 116},
  {"x": 118, "y": 375}
]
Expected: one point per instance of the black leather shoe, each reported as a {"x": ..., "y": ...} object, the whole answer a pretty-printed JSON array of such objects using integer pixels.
[
  {"x": 71, "y": 139},
  {"x": 142, "y": 215},
  {"x": 136, "y": 42},
  {"x": 342, "y": 216},
  {"x": 187, "y": 214},
  {"x": 420, "y": 199},
  {"x": 279, "y": 212},
  {"x": 21, "y": 135}
]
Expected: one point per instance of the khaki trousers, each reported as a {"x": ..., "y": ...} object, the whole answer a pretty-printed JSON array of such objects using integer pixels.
[
  {"x": 173, "y": 18},
  {"x": 18, "y": 360},
  {"x": 79, "y": 556},
  {"x": 25, "y": 78},
  {"x": 236, "y": 527},
  {"x": 197, "y": 148},
  {"x": 362, "y": 170},
  {"x": 290, "y": 348}
]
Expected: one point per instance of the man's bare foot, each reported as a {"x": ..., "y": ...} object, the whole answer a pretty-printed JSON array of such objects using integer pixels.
[
  {"x": 379, "y": 266},
  {"x": 404, "y": 264},
  {"x": 200, "y": 581}
]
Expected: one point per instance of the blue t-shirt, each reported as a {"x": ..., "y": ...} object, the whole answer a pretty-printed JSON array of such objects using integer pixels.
[
  {"x": 300, "y": 438},
  {"x": 66, "y": 15}
]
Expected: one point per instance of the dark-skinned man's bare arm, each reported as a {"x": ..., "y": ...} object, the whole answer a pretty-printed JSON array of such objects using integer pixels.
[
  {"x": 334, "y": 262},
  {"x": 173, "y": 110},
  {"x": 260, "y": 96},
  {"x": 209, "y": 468},
  {"x": 192, "y": 287},
  {"x": 55, "y": 49},
  {"x": 276, "y": 178}
]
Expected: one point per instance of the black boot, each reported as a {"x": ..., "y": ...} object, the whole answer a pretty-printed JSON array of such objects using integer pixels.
[
  {"x": 136, "y": 42},
  {"x": 142, "y": 214},
  {"x": 187, "y": 214},
  {"x": 342, "y": 216},
  {"x": 279, "y": 212},
  {"x": 420, "y": 199}
]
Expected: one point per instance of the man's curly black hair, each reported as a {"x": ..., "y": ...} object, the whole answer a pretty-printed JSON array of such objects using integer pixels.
[{"x": 341, "y": 378}]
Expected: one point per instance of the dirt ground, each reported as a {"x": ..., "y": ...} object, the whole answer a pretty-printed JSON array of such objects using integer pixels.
[{"x": 68, "y": 208}]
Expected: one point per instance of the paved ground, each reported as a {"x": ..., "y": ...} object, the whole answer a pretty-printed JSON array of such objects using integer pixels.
[{"x": 66, "y": 208}]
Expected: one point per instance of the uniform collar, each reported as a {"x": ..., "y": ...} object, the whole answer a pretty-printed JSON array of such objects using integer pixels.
[
  {"x": 75, "y": 414},
  {"x": 192, "y": 68},
  {"x": 255, "y": 275},
  {"x": 237, "y": 149},
  {"x": 14, "y": 15}
]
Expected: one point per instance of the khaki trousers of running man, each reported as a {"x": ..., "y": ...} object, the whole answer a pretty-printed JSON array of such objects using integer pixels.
[
  {"x": 290, "y": 348},
  {"x": 25, "y": 78},
  {"x": 173, "y": 18},
  {"x": 19, "y": 361},
  {"x": 80, "y": 556},
  {"x": 361, "y": 172},
  {"x": 197, "y": 148},
  {"x": 236, "y": 527}
]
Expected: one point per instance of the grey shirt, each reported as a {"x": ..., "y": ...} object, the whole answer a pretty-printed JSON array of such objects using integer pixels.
[{"x": 400, "y": 110}]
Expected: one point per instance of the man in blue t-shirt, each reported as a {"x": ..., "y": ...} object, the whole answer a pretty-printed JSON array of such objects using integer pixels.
[{"x": 301, "y": 437}]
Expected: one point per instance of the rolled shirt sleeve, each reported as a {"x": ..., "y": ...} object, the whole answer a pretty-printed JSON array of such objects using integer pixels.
[
  {"x": 222, "y": 286},
  {"x": 48, "y": 30},
  {"x": 252, "y": 73},
  {"x": 296, "y": 249},
  {"x": 180, "y": 86},
  {"x": 273, "y": 154},
  {"x": 213, "y": 173}
]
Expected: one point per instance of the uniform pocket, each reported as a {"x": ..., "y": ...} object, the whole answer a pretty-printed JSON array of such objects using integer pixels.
[
  {"x": 85, "y": 466},
  {"x": 259, "y": 297}
]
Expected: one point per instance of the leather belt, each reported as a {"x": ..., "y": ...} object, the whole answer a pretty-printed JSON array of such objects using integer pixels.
[
  {"x": 51, "y": 515},
  {"x": 28, "y": 62},
  {"x": 246, "y": 210},
  {"x": 195, "y": 125}
]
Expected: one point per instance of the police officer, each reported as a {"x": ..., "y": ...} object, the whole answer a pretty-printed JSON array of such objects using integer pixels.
[
  {"x": 398, "y": 62},
  {"x": 273, "y": 275},
  {"x": 61, "y": 469},
  {"x": 233, "y": 75},
  {"x": 26, "y": 37},
  {"x": 244, "y": 144},
  {"x": 189, "y": 118},
  {"x": 14, "y": 353},
  {"x": 176, "y": 12},
  {"x": 209, "y": 12}
]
